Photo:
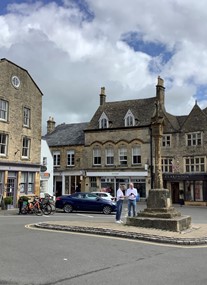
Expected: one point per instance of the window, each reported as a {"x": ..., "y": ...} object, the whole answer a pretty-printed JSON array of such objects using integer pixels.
[
  {"x": 15, "y": 81},
  {"x": 123, "y": 156},
  {"x": 194, "y": 164},
  {"x": 44, "y": 161},
  {"x": 166, "y": 140},
  {"x": 103, "y": 124},
  {"x": 167, "y": 165},
  {"x": 27, "y": 183},
  {"x": 103, "y": 121},
  {"x": 136, "y": 155},
  {"x": 26, "y": 147},
  {"x": 93, "y": 183},
  {"x": 26, "y": 119},
  {"x": 129, "y": 119},
  {"x": 56, "y": 158},
  {"x": 3, "y": 144},
  {"x": 3, "y": 110},
  {"x": 70, "y": 158},
  {"x": 194, "y": 139},
  {"x": 109, "y": 156},
  {"x": 97, "y": 156}
]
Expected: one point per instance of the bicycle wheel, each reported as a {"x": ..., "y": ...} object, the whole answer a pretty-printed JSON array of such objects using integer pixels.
[
  {"x": 37, "y": 211},
  {"x": 46, "y": 209},
  {"x": 53, "y": 208}
]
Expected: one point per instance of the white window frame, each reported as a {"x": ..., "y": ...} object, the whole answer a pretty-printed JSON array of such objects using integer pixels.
[
  {"x": 194, "y": 139},
  {"x": 167, "y": 164},
  {"x": 26, "y": 117},
  {"x": 97, "y": 156},
  {"x": 166, "y": 140},
  {"x": 136, "y": 155},
  {"x": 129, "y": 119},
  {"x": 26, "y": 143},
  {"x": 123, "y": 156},
  {"x": 109, "y": 156},
  {"x": 70, "y": 158},
  {"x": 3, "y": 144},
  {"x": 195, "y": 164},
  {"x": 4, "y": 105},
  {"x": 56, "y": 158},
  {"x": 103, "y": 121}
]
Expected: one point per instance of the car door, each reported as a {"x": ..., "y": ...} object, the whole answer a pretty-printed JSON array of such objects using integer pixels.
[{"x": 91, "y": 203}]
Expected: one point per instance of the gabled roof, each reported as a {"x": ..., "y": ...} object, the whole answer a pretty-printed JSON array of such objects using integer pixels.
[
  {"x": 195, "y": 121},
  {"x": 67, "y": 134},
  {"x": 142, "y": 110},
  {"x": 10, "y": 62}
]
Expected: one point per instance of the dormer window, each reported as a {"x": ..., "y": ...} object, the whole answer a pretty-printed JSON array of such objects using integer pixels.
[
  {"x": 103, "y": 122},
  {"x": 129, "y": 119}
]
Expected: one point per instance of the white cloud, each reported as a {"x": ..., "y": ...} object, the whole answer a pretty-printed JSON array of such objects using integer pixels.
[{"x": 70, "y": 58}]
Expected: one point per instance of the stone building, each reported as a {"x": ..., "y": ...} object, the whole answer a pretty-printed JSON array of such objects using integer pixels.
[
  {"x": 66, "y": 143},
  {"x": 116, "y": 147},
  {"x": 20, "y": 131}
]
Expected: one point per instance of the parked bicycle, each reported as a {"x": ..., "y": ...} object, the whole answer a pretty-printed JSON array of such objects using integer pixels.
[{"x": 37, "y": 206}]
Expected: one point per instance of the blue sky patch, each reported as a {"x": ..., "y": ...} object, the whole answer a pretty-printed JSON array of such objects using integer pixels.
[
  {"x": 154, "y": 49},
  {"x": 201, "y": 92}
]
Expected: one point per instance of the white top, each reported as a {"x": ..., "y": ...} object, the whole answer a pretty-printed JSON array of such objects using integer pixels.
[
  {"x": 119, "y": 195},
  {"x": 131, "y": 193}
]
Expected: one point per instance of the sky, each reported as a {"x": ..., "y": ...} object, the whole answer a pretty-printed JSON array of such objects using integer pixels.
[{"x": 72, "y": 48}]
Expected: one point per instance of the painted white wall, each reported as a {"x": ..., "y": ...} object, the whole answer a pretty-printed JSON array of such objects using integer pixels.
[{"x": 46, "y": 177}]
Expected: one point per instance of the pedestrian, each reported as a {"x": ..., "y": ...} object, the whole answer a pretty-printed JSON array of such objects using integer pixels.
[
  {"x": 131, "y": 194},
  {"x": 78, "y": 188},
  {"x": 20, "y": 204},
  {"x": 119, "y": 203},
  {"x": 181, "y": 198}
]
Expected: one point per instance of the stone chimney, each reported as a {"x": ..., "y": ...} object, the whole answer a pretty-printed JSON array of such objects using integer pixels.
[
  {"x": 160, "y": 92},
  {"x": 50, "y": 125},
  {"x": 102, "y": 96}
]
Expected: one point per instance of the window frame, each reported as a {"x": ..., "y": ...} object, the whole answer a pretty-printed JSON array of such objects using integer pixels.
[
  {"x": 166, "y": 140},
  {"x": 136, "y": 155},
  {"x": 56, "y": 158},
  {"x": 26, "y": 145},
  {"x": 167, "y": 164},
  {"x": 26, "y": 117},
  {"x": 194, "y": 164},
  {"x": 123, "y": 156},
  {"x": 109, "y": 156},
  {"x": 129, "y": 120},
  {"x": 3, "y": 144},
  {"x": 193, "y": 139},
  {"x": 96, "y": 156},
  {"x": 70, "y": 158},
  {"x": 4, "y": 110}
]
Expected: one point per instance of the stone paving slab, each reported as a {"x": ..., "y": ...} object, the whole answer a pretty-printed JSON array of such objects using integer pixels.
[{"x": 196, "y": 235}]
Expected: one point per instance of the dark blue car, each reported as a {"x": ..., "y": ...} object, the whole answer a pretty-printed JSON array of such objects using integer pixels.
[{"x": 85, "y": 201}]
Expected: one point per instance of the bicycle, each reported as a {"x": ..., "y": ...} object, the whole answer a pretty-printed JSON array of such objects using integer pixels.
[{"x": 32, "y": 207}]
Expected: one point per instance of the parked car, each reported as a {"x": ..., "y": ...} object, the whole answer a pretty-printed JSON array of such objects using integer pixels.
[
  {"x": 105, "y": 195},
  {"x": 85, "y": 201}
]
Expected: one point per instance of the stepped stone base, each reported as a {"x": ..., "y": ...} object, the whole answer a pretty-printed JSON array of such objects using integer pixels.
[
  {"x": 174, "y": 224},
  {"x": 160, "y": 214}
]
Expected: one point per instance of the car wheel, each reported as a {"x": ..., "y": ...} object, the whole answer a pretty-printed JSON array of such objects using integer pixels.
[
  {"x": 68, "y": 208},
  {"x": 107, "y": 210}
]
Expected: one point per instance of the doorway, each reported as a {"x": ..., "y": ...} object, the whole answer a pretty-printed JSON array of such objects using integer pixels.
[{"x": 175, "y": 192}]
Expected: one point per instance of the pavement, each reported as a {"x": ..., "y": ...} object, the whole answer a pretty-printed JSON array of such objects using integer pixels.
[{"x": 196, "y": 235}]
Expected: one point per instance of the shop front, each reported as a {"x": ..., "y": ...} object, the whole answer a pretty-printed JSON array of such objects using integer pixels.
[
  {"x": 194, "y": 187},
  {"x": 111, "y": 181}
]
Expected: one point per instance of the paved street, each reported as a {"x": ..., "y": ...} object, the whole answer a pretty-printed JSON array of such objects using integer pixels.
[{"x": 40, "y": 257}]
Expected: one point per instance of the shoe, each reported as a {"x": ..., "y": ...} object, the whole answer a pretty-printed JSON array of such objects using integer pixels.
[
  {"x": 121, "y": 221},
  {"x": 118, "y": 222}
]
